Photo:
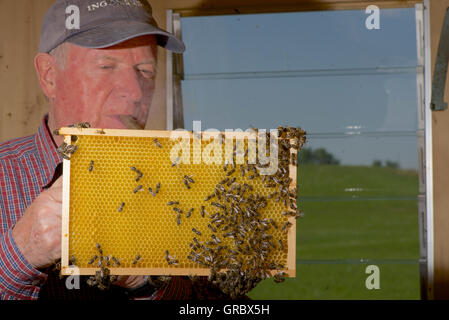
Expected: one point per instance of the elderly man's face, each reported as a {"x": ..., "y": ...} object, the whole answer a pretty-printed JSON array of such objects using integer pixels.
[{"x": 101, "y": 86}]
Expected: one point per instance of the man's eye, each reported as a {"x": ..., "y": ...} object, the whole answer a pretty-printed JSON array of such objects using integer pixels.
[
  {"x": 148, "y": 73},
  {"x": 107, "y": 67}
]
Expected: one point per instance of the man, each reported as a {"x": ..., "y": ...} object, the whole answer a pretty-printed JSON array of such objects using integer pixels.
[{"x": 102, "y": 73}]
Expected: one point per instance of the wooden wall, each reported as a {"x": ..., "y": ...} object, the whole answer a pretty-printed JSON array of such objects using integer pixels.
[
  {"x": 22, "y": 104},
  {"x": 440, "y": 128}
]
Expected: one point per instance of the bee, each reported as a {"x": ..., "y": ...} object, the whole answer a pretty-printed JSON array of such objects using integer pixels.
[
  {"x": 209, "y": 197},
  {"x": 299, "y": 214},
  {"x": 91, "y": 281},
  {"x": 73, "y": 260},
  {"x": 174, "y": 262},
  {"x": 231, "y": 181},
  {"x": 224, "y": 181},
  {"x": 139, "y": 173},
  {"x": 218, "y": 205},
  {"x": 157, "y": 143},
  {"x": 242, "y": 170},
  {"x": 158, "y": 187},
  {"x": 203, "y": 211},
  {"x": 113, "y": 278},
  {"x": 151, "y": 191},
  {"x": 196, "y": 231},
  {"x": 293, "y": 206},
  {"x": 92, "y": 260},
  {"x": 225, "y": 168},
  {"x": 99, "y": 248},
  {"x": 216, "y": 240},
  {"x": 138, "y": 188},
  {"x": 230, "y": 172},
  {"x": 286, "y": 226},
  {"x": 81, "y": 125},
  {"x": 189, "y": 179},
  {"x": 91, "y": 166},
  {"x": 213, "y": 216},
  {"x": 107, "y": 260},
  {"x": 196, "y": 241},
  {"x": 273, "y": 223},
  {"x": 186, "y": 183},
  {"x": 279, "y": 277},
  {"x": 101, "y": 131},
  {"x": 175, "y": 163},
  {"x": 189, "y": 213},
  {"x": 281, "y": 245},
  {"x": 120, "y": 209},
  {"x": 171, "y": 203},
  {"x": 73, "y": 138},
  {"x": 116, "y": 261},
  {"x": 62, "y": 151},
  {"x": 217, "y": 193},
  {"x": 212, "y": 228},
  {"x": 177, "y": 210},
  {"x": 178, "y": 219},
  {"x": 136, "y": 259}
]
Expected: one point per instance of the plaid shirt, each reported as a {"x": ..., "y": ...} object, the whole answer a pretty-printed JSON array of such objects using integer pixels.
[{"x": 27, "y": 165}]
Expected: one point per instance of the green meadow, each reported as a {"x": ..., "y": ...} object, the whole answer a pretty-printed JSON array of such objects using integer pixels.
[{"x": 354, "y": 216}]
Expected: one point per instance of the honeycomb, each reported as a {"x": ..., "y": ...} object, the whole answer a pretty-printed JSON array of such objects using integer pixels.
[{"x": 110, "y": 203}]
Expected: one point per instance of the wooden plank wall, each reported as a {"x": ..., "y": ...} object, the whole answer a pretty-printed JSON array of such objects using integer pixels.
[{"x": 22, "y": 104}]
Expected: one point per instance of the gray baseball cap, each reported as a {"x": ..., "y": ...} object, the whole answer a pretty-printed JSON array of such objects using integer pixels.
[{"x": 102, "y": 24}]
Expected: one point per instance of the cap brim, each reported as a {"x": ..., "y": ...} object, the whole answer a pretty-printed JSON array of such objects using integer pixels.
[{"x": 113, "y": 33}]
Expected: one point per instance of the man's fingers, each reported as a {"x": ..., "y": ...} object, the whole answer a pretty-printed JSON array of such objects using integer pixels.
[
  {"x": 57, "y": 183},
  {"x": 55, "y": 191}
]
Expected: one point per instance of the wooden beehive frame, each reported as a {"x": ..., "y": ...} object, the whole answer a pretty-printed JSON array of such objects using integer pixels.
[{"x": 290, "y": 270}]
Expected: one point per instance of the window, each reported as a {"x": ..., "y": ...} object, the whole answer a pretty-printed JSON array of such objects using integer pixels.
[{"x": 357, "y": 93}]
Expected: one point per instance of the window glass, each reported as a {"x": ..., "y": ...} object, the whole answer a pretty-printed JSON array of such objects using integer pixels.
[{"x": 354, "y": 91}]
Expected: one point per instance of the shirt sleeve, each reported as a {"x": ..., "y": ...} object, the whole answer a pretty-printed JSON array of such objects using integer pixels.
[{"x": 18, "y": 279}]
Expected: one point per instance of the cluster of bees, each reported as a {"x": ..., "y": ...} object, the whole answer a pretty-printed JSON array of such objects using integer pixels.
[
  {"x": 66, "y": 150},
  {"x": 241, "y": 247},
  {"x": 102, "y": 278},
  {"x": 249, "y": 261},
  {"x": 247, "y": 257}
]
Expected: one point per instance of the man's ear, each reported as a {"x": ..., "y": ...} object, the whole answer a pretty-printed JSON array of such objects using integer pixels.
[{"x": 46, "y": 67}]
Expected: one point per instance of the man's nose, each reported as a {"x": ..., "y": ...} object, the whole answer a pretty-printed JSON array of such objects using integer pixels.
[{"x": 130, "y": 86}]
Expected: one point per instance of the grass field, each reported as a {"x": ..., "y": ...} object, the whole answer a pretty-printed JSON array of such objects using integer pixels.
[{"x": 353, "y": 213}]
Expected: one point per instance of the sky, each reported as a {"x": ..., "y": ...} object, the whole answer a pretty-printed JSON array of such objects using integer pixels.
[{"x": 357, "y": 115}]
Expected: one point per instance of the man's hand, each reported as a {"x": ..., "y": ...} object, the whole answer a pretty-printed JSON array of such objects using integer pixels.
[{"x": 38, "y": 233}]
